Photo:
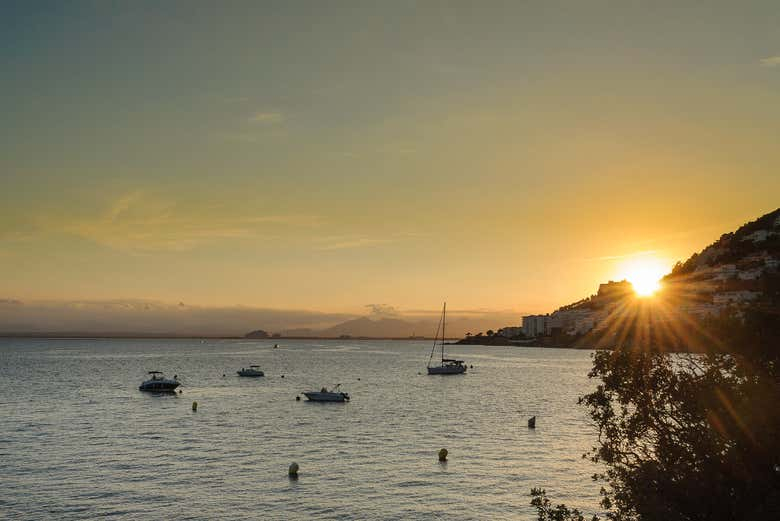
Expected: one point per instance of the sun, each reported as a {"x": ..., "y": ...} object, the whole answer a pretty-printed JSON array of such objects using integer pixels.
[{"x": 644, "y": 275}]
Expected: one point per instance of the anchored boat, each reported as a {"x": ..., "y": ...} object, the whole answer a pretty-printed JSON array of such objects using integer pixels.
[
  {"x": 254, "y": 370},
  {"x": 447, "y": 365},
  {"x": 159, "y": 384},
  {"x": 324, "y": 395}
]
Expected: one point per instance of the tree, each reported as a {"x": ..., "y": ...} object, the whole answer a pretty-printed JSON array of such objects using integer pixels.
[
  {"x": 687, "y": 437},
  {"x": 545, "y": 512},
  {"x": 490, "y": 332},
  {"x": 691, "y": 436}
]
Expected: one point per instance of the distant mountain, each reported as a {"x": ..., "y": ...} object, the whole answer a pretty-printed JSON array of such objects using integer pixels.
[
  {"x": 257, "y": 334},
  {"x": 382, "y": 327},
  {"x": 395, "y": 327}
]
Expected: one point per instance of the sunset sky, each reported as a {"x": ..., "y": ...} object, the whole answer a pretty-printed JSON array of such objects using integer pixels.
[{"x": 329, "y": 155}]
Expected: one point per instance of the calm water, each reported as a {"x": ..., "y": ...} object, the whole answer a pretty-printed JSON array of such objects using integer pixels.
[{"x": 78, "y": 440}]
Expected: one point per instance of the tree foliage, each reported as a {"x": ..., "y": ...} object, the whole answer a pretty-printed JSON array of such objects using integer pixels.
[
  {"x": 689, "y": 436},
  {"x": 547, "y": 512}
]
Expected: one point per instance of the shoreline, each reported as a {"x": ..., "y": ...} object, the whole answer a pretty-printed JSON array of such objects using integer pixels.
[{"x": 168, "y": 336}]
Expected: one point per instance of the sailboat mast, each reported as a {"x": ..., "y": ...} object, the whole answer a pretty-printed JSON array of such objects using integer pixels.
[{"x": 443, "y": 324}]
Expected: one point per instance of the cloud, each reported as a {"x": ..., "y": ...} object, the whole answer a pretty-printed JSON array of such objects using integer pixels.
[
  {"x": 336, "y": 243},
  {"x": 267, "y": 118},
  {"x": 150, "y": 317},
  {"x": 343, "y": 242},
  {"x": 382, "y": 310},
  {"x": 145, "y": 317},
  {"x": 137, "y": 223},
  {"x": 771, "y": 61}
]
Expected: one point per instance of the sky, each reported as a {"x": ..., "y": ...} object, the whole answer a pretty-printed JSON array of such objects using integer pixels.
[{"x": 324, "y": 156}]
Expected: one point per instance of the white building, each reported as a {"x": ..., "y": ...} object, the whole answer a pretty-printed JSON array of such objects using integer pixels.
[
  {"x": 535, "y": 325},
  {"x": 725, "y": 272},
  {"x": 700, "y": 309},
  {"x": 734, "y": 297},
  {"x": 750, "y": 274},
  {"x": 759, "y": 235},
  {"x": 571, "y": 321}
]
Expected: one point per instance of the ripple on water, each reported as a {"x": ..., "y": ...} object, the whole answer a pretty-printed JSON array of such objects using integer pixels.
[{"x": 75, "y": 451}]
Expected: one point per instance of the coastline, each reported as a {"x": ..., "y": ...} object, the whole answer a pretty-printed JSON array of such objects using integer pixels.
[{"x": 173, "y": 336}]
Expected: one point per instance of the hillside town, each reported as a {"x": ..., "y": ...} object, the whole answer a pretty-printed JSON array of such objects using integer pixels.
[{"x": 739, "y": 271}]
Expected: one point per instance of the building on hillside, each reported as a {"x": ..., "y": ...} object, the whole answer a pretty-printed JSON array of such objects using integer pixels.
[
  {"x": 535, "y": 325},
  {"x": 614, "y": 289},
  {"x": 750, "y": 274},
  {"x": 700, "y": 309},
  {"x": 571, "y": 321},
  {"x": 724, "y": 272},
  {"x": 584, "y": 324},
  {"x": 759, "y": 236},
  {"x": 734, "y": 297}
]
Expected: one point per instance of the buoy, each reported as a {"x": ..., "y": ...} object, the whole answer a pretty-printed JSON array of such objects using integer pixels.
[
  {"x": 532, "y": 422},
  {"x": 223, "y": 375},
  {"x": 293, "y": 470},
  {"x": 282, "y": 376},
  {"x": 194, "y": 406},
  {"x": 297, "y": 398},
  {"x": 443, "y": 455},
  {"x": 358, "y": 379}
]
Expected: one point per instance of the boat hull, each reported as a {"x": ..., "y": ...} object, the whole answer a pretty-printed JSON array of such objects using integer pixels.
[
  {"x": 447, "y": 369},
  {"x": 165, "y": 386},
  {"x": 251, "y": 374},
  {"x": 326, "y": 397}
]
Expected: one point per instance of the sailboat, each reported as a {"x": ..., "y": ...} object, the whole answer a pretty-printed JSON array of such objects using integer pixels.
[{"x": 448, "y": 365}]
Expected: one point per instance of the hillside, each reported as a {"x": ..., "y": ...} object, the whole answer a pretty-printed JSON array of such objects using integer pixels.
[{"x": 726, "y": 296}]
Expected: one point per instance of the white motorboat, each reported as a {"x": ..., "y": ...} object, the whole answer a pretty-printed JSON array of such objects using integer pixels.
[
  {"x": 324, "y": 395},
  {"x": 159, "y": 384},
  {"x": 447, "y": 365},
  {"x": 254, "y": 370}
]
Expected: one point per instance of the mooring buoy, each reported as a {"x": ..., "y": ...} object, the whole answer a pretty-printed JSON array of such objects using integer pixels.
[
  {"x": 443, "y": 455},
  {"x": 293, "y": 470}
]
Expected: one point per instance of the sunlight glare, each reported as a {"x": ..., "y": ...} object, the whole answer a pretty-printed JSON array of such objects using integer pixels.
[{"x": 645, "y": 275}]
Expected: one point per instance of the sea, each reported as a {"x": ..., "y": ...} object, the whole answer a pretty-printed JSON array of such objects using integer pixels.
[{"x": 78, "y": 440}]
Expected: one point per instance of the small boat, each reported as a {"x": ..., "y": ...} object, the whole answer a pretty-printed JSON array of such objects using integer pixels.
[
  {"x": 159, "y": 384},
  {"x": 323, "y": 395},
  {"x": 447, "y": 365},
  {"x": 254, "y": 370}
]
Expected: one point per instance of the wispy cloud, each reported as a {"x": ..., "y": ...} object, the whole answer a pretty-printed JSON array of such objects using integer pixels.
[
  {"x": 771, "y": 61},
  {"x": 351, "y": 241},
  {"x": 267, "y": 118},
  {"x": 343, "y": 243},
  {"x": 138, "y": 223}
]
